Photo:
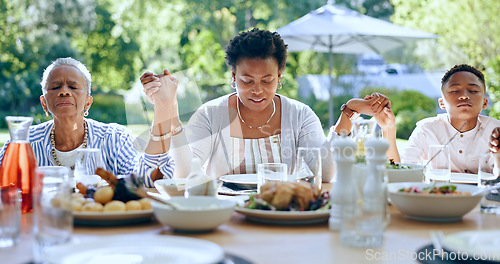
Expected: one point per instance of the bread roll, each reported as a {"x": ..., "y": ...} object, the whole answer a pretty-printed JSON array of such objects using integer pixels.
[
  {"x": 115, "y": 206},
  {"x": 145, "y": 204},
  {"x": 92, "y": 207},
  {"x": 133, "y": 206},
  {"x": 104, "y": 195}
]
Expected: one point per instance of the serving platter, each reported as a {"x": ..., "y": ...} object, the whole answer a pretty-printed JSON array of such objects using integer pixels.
[
  {"x": 285, "y": 217},
  {"x": 112, "y": 218}
]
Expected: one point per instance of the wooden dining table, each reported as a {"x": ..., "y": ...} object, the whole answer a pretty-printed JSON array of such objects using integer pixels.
[{"x": 264, "y": 243}]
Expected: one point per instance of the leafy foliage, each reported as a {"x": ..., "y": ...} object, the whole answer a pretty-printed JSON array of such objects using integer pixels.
[
  {"x": 408, "y": 106},
  {"x": 469, "y": 33}
]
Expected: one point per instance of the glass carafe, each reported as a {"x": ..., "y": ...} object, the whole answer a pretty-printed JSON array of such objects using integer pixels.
[{"x": 18, "y": 163}]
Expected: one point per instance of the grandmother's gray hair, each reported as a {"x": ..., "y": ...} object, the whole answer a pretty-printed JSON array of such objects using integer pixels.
[{"x": 61, "y": 62}]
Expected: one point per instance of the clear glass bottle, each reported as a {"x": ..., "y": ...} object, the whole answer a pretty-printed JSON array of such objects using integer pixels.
[
  {"x": 18, "y": 163},
  {"x": 366, "y": 226}
]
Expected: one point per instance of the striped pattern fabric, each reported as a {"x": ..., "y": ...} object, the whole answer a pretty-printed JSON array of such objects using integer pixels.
[
  {"x": 247, "y": 153},
  {"x": 117, "y": 148}
]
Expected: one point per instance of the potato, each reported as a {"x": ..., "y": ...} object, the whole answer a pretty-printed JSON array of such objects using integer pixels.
[
  {"x": 81, "y": 200},
  {"x": 76, "y": 206},
  {"x": 145, "y": 204},
  {"x": 133, "y": 205},
  {"x": 92, "y": 207},
  {"x": 104, "y": 195},
  {"x": 76, "y": 195},
  {"x": 115, "y": 206}
]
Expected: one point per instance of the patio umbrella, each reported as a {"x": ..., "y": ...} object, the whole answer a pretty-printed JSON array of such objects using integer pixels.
[{"x": 336, "y": 29}]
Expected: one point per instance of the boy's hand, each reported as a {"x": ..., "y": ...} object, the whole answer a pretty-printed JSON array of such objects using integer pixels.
[
  {"x": 386, "y": 119},
  {"x": 494, "y": 140}
]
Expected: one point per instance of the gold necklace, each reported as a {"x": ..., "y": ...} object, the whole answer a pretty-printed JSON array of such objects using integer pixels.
[
  {"x": 53, "y": 142},
  {"x": 241, "y": 118}
]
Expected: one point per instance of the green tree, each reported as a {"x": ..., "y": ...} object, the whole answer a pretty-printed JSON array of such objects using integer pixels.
[{"x": 469, "y": 33}]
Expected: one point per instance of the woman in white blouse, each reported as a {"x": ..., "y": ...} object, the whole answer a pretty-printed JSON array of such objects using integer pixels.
[{"x": 253, "y": 125}]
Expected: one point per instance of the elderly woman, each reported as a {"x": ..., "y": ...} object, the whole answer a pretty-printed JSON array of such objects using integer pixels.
[{"x": 66, "y": 95}]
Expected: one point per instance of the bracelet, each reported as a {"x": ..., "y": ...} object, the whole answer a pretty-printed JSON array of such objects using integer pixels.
[
  {"x": 171, "y": 133},
  {"x": 159, "y": 138},
  {"x": 177, "y": 130}
]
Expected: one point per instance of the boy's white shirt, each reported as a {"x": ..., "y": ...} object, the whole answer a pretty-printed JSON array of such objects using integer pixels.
[{"x": 465, "y": 148}]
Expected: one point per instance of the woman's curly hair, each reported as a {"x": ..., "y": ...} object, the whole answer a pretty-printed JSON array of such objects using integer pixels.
[{"x": 256, "y": 43}]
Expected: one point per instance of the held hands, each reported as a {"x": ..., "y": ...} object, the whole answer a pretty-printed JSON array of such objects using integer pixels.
[
  {"x": 159, "y": 87},
  {"x": 371, "y": 105},
  {"x": 494, "y": 140}
]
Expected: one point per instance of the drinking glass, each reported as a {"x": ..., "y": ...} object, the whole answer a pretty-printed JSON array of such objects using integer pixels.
[
  {"x": 308, "y": 167},
  {"x": 487, "y": 178},
  {"x": 53, "y": 218},
  {"x": 439, "y": 167},
  {"x": 10, "y": 216},
  {"x": 267, "y": 172},
  {"x": 365, "y": 226},
  {"x": 86, "y": 163}
]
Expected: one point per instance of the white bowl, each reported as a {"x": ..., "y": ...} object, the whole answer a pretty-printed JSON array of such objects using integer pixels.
[
  {"x": 197, "y": 213},
  {"x": 433, "y": 207},
  {"x": 415, "y": 173},
  {"x": 171, "y": 187}
]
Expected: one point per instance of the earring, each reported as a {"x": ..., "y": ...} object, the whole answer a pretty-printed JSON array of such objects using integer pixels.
[
  {"x": 86, "y": 113},
  {"x": 281, "y": 86},
  {"x": 46, "y": 113},
  {"x": 233, "y": 85}
]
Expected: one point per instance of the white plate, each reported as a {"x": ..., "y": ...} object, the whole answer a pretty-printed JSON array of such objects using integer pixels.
[
  {"x": 247, "y": 181},
  {"x": 285, "y": 217},
  {"x": 125, "y": 249},
  {"x": 457, "y": 177},
  {"x": 112, "y": 218},
  {"x": 480, "y": 245}
]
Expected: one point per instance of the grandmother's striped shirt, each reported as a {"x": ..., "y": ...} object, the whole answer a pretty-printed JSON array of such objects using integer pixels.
[{"x": 117, "y": 148}]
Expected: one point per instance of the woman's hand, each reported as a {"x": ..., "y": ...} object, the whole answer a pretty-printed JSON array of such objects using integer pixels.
[
  {"x": 151, "y": 84},
  {"x": 371, "y": 105},
  {"x": 161, "y": 86}
]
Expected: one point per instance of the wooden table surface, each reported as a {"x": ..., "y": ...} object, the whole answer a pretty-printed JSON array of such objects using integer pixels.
[{"x": 260, "y": 243}]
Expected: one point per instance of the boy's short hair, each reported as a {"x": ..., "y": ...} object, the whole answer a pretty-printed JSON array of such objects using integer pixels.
[{"x": 463, "y": 67}]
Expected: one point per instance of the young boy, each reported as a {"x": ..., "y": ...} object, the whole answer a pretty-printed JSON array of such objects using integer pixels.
[{"x": 463, "y": 92}]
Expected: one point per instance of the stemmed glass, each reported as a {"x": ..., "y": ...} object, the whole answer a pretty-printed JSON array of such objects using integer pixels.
[
  {"x": 86, "y": 163},
  {"x": 308, "y": 167}
]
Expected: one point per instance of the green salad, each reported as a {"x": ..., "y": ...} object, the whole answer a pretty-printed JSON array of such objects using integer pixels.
[{"x": 393, "y": 165}]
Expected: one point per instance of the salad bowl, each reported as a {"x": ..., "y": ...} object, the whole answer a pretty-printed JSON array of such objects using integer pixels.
[
  {"x": 412, "y": 200},
  {"x": 405, "y": 172}
]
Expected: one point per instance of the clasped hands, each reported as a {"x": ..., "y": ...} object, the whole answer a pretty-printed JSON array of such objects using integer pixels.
[
  {"x": 160, "y": 87},
  {"x": 376, "y": 105}
]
